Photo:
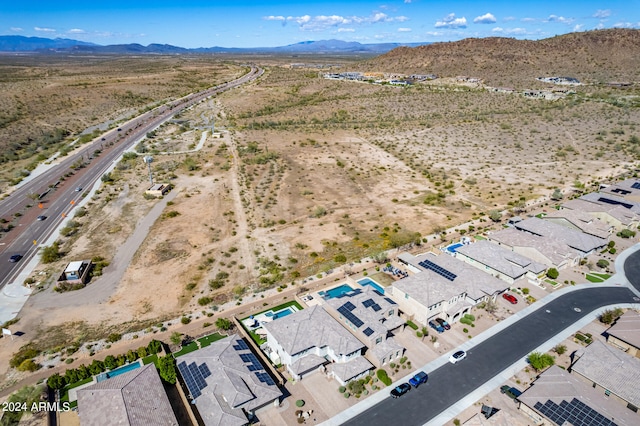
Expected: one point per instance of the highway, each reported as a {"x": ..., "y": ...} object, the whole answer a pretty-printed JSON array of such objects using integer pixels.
[
  {"x": 451, "y": 383},
  {"x": 59, "y": 196}
]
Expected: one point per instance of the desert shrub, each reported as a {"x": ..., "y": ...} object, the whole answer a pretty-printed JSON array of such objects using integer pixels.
[
  {"x": 384, "y": 378},
  {"x": 114, "y": 337},
  {"x": 552, "y": 273}
]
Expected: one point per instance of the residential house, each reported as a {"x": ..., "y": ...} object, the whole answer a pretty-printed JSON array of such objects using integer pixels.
[
  {"x": 500, "y": 262},
  {"x": 444, "y": 286},
  {"x": 135, "y": 398},
  {"x": 559, "y": 398},
  {"x": 625, "y": 333},
  {"x": 581, "y": 222},
  {"x": 583, "y": 243},
  {"x": 371, "y": 317},
  {"x": 611, "y": 372},
  {"x": 311, "y": 340},
  {"x": 548, "y": 251},
  {"x": 617, "y": 216},
  {"x": 226, "y": 382}
]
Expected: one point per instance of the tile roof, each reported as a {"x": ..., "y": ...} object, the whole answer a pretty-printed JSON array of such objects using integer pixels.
[
  {"x": 612, "y": 369},
  {"x": 134, "y": 398},
  {"x": 429, "y": 288},
  {"x": 557, "y": 385},
  {"x": 575, "y": 239},
  {"x": 309, "y": 328},
  {"x": 581, "y": 221},
  {"x": 623, "y": 215},
  {"x": 231, "y": 385},
  {"x": 346, "y": 371},
  {"x": 501, "y": 259},
  {"x": 555, "y": 251},
  {"x": 627, "y": 328}
]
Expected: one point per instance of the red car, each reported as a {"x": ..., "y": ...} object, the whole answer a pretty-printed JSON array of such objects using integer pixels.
[{"x": 510, "y": 298}]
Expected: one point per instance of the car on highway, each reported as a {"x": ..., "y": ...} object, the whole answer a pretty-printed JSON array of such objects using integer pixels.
[
  {"x": 78, "y": 189},
  {"x": 400, "y": 390},
  {"x": 437, "y": 327},
  {"x": 457, "y": 357},
  {"x": 41, "y": 217},
  {"x": 443, "y": 323},
  {"x": 510, "y": 298},
  {"x": 511, "y": 392},
  {"x": 418, "y": 379},
  {"x": 15, "y": 258}
]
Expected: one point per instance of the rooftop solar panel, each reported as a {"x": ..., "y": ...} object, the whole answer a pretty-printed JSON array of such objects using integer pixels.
[
  {"x": 194, "y": 377},
  {"x": 240, "y": 345},
  {"x": 367, "y": 331},
  {"x": 368, "y": 303},
  {"x": 376, "y": 307},
  {"x": 389, "y": 300},
  {"x": 427, "y": 264},
  {"x": 575, "y": 412},
  {"x": 350, "y": 306},
  {"x": 636, "y": 185}
]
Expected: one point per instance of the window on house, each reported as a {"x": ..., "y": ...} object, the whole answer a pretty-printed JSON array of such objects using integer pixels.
[
  {"x": 391, "y": 312},
  {"x": 607, "y": 392},
  {"x": 406, "y": 296},
  {"x": 632, "y": 408},
  {"x": 378, "y": 340}
]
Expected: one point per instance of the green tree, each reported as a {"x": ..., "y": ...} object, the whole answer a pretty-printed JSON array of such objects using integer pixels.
[
  {"x": 51, "y": 253},
  {"x": 56, "y": 381},
  {"x": 552, "y": 273},
  {"x": 131, "y": 355},
  {"x": 495, "y": 215},
  {"x": 540, "y": 361},
  {"x": 167, "y": 369},
  {"x": 96, "y": 367},
  {"x": 425, "y": 332},
  {"x": 557, "y": 195},
  {"x": 224, "y": 324},
  {"x": 176, "y": 338},
  {"x": 602, "y": 263},
  {"x": 610, "y": 315},
  {"x": 154, "y": 346},
  {"x": 142, "y": 351},
  {"x": 110, "y": 362}
]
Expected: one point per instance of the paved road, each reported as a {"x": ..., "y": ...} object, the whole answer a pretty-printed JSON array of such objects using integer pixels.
[
  {"x": 59, "y": 201},
  {"x": 450, "y": 383},
  {"x": 632, "y": 269}
]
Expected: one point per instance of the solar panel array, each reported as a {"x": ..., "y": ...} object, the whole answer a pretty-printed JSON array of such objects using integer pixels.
[
  {"x": 240, "y": 345},
  {"x": 253, "y": 362},
  {"x": 575, "y": 412},
  {"x": 636, "y": 185},
  {"x": 350, "y": 306},
  {"x": 368, "y": 303},
  {"x": 265, "y": 378},
  {"x": 389, "y": 300},
  {"x": 427, "y": 264},
  {"x": 376, "y": 307},
  {"x": 346, "y": 312},
  {"x": 367, "y": 331},
  {"x": 194, "y": 377},
  {"x": 615, "y": 202}
]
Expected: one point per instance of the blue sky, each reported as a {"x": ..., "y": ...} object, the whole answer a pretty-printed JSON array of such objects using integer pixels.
[{"x": 200, "y": 23}]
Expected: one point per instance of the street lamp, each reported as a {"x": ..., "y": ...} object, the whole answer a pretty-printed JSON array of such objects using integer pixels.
[{"x": 149, "y": 159}]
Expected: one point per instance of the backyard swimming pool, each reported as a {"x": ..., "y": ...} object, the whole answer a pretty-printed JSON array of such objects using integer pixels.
[
  {"x": 336, "y": 292},
  {"x": 281, "y": 313},
  {"x": 118, "y": 371},
  {"x": 453, "y": 247},
  {"x": 372, "y": 283}
]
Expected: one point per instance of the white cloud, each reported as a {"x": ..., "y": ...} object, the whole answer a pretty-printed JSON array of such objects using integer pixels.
[
  {"x": 509, "y": 18},
  {"x": 407, "y": 1},
  {"x": 528, "y": 19},
  {"x": 516, "y": 31},
  {"x": 450, "y": 21},
  {"x": 346, "y": 30},
  {"x": 560, "y": 19},
  {"x": 624, "y": 25},
  {"x": 404, "y": 30},
  {"x": 16, "y": 29},
  {"x": 578, "y": 27},
  {"x": 323, "y": 22},
  {"x": 44, "y": 30},
  {"x": 77, "y": 31},
  {"x": 487, "y": 18},
  {"x": 601, "y": 14}
]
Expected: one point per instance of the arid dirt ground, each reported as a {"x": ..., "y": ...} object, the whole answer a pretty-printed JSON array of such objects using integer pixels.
[{"x": 304, "y": 174}]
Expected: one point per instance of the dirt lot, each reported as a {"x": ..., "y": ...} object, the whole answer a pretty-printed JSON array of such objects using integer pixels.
[{"x": 308, "y": 174}]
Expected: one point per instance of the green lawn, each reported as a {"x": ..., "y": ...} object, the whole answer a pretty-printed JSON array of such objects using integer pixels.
[
  {"x": 549, "y": 281},
  {"x": 597, "y": 278},
  {"x": 186, "y": 349},
  {"x": 64, "y": 394},
  {"x": 151, "y": 359},
  {"x": 479, "y": 237},
  {"x": 207, "y": 340}
]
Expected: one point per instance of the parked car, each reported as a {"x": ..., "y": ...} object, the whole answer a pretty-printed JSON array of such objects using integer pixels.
[
  {"x": 510, "y": 298},
  {"x": 400, "y": 390},
  {"x": 511, "y": 392},
  {"x": 457, "y": 357},
  {"x": 418, "y": 379},
  {"x": 42, "y": 217},
  {"x": 443, "y": 323},
  {"x": 436, "y": 326},
  {"x": 15, "y": 258}
]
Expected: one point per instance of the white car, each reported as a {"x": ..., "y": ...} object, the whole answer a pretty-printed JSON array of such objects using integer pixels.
[{"x": 457, "y": 356}]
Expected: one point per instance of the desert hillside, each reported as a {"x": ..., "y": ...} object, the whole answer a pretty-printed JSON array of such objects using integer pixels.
[{"x": 593, "y": 56}]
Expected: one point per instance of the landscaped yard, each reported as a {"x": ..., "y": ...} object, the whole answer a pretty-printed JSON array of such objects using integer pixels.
[
  {"x": 186, "y": 349},
  {"x": 596, "y": 277},
  {"x": 207, "y": 340}
]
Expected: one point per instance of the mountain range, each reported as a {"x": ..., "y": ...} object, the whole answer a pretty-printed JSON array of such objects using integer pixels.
[{"x": 13, "y": 43}]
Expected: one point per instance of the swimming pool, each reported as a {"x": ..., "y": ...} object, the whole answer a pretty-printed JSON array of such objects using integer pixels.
[
  {"x": 118, "y": 371},
  {"x": 372, "y": 283},
  {"x": 336, "y": 291},
  {"x": 453, "y": 247},
  {"x": 281, "y": 313}
]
